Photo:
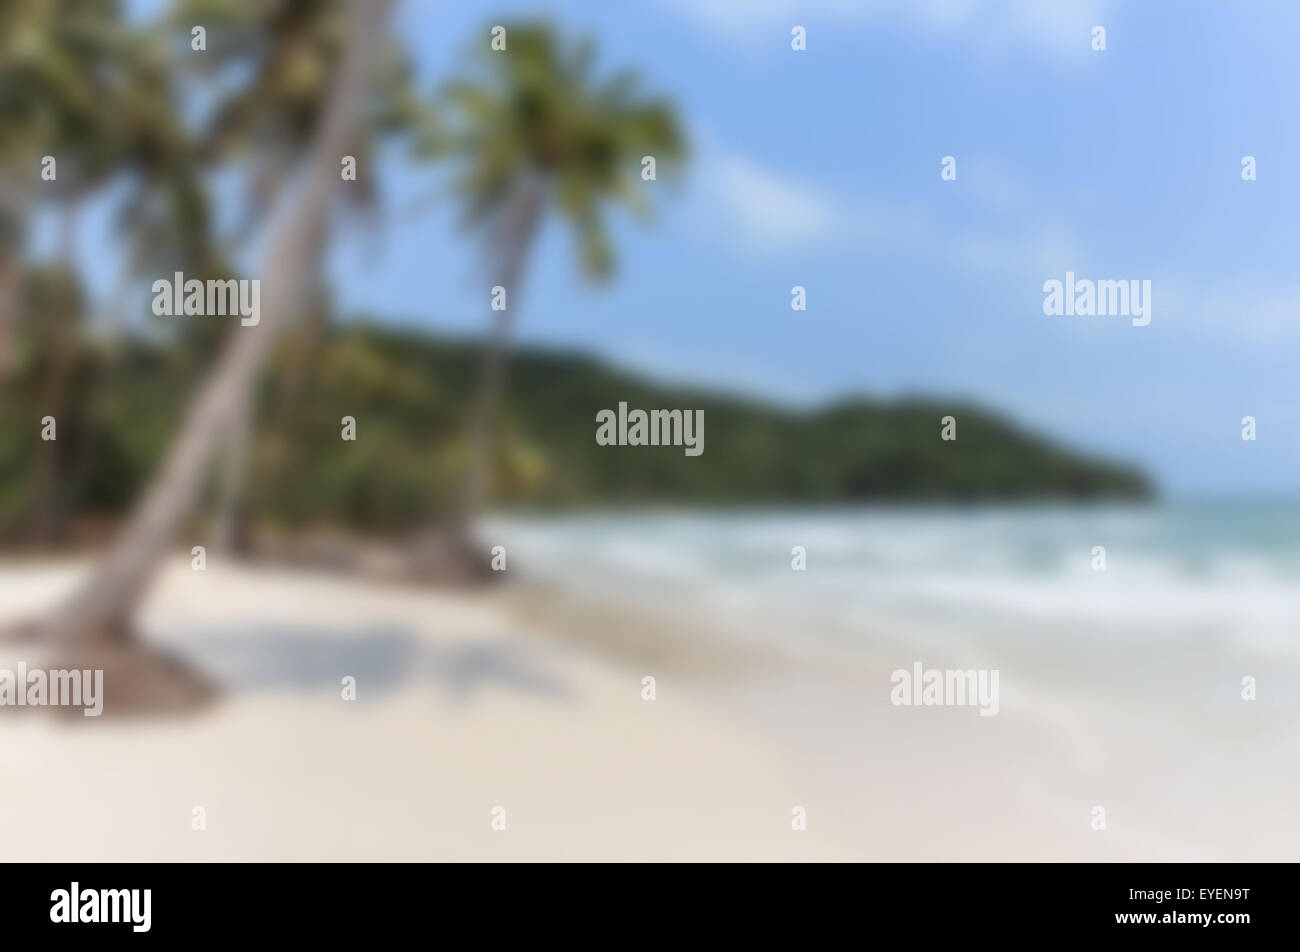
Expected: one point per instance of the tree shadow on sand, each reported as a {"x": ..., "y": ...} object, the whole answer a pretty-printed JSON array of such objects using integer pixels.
[{"x": 304, "y": 659}]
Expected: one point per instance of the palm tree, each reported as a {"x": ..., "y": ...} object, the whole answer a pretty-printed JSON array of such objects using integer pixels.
[
  {"x": 289, "y": 51},
  {"x": 93, "y": 624},
  {"x": 164, "y": 218},
  {"x": 60, "y": 64},
  {"x": 532, "y": 132}
]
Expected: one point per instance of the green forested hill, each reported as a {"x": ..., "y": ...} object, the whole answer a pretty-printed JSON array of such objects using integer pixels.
[
  {"x": 410, "y": 394},
  {"x": 411, "y": 397}
]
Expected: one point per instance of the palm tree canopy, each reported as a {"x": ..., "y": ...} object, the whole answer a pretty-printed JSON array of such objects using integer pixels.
[
  {"x": 285, "y": 54},
  {"x": 60, "y": 61},
  {"x": 535, "y": 110}
]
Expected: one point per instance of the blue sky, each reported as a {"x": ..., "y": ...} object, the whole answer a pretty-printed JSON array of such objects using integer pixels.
[{"x": 821, "y": 168}]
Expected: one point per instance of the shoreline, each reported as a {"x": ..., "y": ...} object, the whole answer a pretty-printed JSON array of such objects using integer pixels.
[{"x": 529, "y": 698}]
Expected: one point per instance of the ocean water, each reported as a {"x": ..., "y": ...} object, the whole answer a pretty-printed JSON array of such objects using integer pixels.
[
  {"x": 1121, "y": 686},
  {"x": 1228, "y": 571},
  {"x": 1193, "y": 597}
]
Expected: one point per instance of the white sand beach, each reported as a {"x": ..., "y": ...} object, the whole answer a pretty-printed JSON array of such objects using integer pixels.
[
  {"x": 456, "y": 714},
  {"x": 526, "y": 699}
]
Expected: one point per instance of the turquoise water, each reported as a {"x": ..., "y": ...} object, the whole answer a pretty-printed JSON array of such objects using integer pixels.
[
  {"x": 1122, "y": 687},
  {"x": 1217, "y": 583}
]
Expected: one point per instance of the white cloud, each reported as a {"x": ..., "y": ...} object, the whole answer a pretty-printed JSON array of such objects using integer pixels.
[
  {"x": 1253, "y": 311},
  {"x": 765, "y": 209},
  {"x": 1005, "y": 249}
]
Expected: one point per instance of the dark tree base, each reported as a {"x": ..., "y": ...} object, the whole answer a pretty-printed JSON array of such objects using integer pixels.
[{"x": 138, "y": 679}]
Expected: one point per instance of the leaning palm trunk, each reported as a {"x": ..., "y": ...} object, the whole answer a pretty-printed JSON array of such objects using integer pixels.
[
  {"x": 518, "y": 229},
  {"x": 98, "y": 613},
  {"x": 229, "y": 522},
  {"x": 448, "y": 552},
  {"x": 231, "y": 531}
]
